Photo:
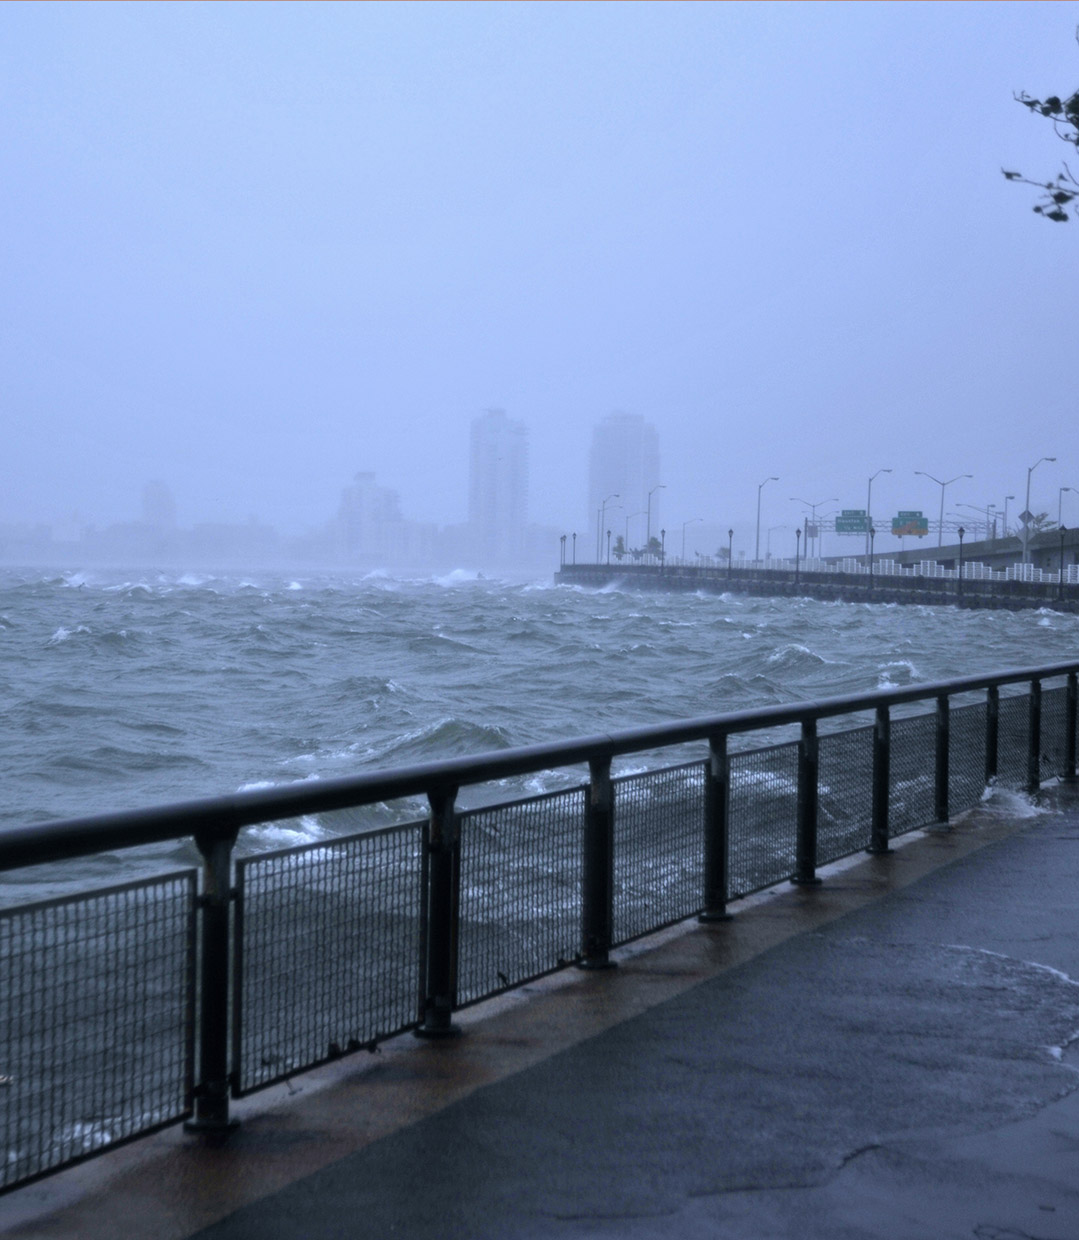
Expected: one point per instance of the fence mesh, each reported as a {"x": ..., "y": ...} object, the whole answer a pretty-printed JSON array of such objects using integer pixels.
[
  {"x": 520, "y": 892},
  {"x": 763, "y": 817},
  {"x": 658, "y": 848},
  {"x": 844, "y": 793},
  {"x": 1013, "y": 732},
  {"x": 911, "y": 795},
  {"x": 966, "y": 756},
  {"x": 330, "y": 949},
  {"x": 1054, "y": 731},
  {"x": 96, "y": 1021}
]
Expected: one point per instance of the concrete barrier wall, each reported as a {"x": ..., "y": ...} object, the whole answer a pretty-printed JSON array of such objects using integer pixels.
[{"x": 830, "y": 587}]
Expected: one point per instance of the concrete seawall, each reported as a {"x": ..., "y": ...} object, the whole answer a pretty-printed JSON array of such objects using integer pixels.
[{"x": 829, "y": 587}]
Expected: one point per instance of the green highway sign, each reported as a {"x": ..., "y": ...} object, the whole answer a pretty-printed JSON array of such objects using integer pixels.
[
  {"x": 910, "y": 523},
  {"x": 852, "y": 521}
]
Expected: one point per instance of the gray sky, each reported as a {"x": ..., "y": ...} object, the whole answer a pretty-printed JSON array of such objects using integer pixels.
[{"x": 252, "y": 249}]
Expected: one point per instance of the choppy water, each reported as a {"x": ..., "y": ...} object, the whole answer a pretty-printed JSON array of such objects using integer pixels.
[{"x": 125, "y": 690}]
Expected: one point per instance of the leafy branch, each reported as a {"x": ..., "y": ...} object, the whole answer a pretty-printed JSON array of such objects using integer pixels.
[{"x": 1060, "y": 199}]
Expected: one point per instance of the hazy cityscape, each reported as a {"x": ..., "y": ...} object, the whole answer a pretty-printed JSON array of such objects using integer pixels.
[{"x": 629, "y": 513}]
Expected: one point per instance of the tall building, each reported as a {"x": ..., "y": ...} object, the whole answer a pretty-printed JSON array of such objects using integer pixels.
[
  {"x": 625, "y": 463},
  {"x": 369, "y": 527},
  {"x": 498, "y": 486}
]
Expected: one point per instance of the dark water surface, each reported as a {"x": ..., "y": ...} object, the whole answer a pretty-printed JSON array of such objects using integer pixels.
[{"x": 123, "y": 690}]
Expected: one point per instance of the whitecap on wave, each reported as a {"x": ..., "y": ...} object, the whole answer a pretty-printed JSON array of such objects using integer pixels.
[{"x": 897, "y": 672}]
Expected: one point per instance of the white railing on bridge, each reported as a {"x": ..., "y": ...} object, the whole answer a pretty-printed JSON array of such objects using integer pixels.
[{"x": 973, "y": 570}]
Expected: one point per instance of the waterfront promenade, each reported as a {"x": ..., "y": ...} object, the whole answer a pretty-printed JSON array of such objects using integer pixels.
[{"x": 887, "y": 1054}]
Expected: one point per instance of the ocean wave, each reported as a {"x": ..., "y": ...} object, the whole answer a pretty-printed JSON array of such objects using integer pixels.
[
  {"x": 448, "y": 737},
  {"x": 897, "y": 672}
]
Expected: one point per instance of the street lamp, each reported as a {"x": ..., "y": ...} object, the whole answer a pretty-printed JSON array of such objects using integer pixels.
[
  {"x": 1060, "y": 581},
  {"x": 684, "y": 524},
  {"x": 869, "y": 505},
  {"x": 662, "y": 548},
  {"x": 797, "y": 552},
  {"x": 959, "y": 581},
  {"x": 1006, "y": 498},
  {"x": 608, "y": 548},
  {"x": 757, "y": 550},
  {"x": 648, "y": 528},
  {"x": 562, "y": 552},
  {"x": 628, "y": 520},
  {"x": 602, "y": 522},
  {"x": 730, "y": 552},
  {"x": 942, "y": 485},
  {"x": 768, "y": 541},
  {"x": 872, "y": 537},
  {"x": 1060, "y": 502},
  {"x": 1025, "y": 535},
  {"x": 575, "y": 546},
  {"x": 814, "y": 507},
  {"x": 988, "y": 513}
]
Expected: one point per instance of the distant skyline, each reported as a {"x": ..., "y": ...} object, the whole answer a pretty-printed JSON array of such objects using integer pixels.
[{"x": 251, "y": 251}]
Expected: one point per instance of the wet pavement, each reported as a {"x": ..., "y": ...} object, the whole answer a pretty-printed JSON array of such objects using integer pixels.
[{"x": 889, "y": 1054}]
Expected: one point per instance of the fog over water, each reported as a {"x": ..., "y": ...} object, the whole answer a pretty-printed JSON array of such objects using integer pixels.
[{"x": 252, "y": 250}]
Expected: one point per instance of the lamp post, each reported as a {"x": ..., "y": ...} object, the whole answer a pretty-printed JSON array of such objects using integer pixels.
[
  {"x": 797, "y": 551},
  {"x": 869, "y": 505},
  {"x": 959, "y": 580},
  {"x": 608, "y": 548},
  {"x": 1060, "y": 502},
  {"x": 648, "y": 528},
  {"x": 1025, "y": 535},
  {"x": 768, "y": 541},
  {"x": 1006, "y": 498},
  {"x": 662, "y": 548},
  {"x": 872, "y": 536},
  {"x": 813, "y": 507},
  {"x": 757, "y": 549},
  {"x": 628, "y": 520},
  {"x": 575, "y": 546},
  {"x": 730, "y": 552},
  {"x": 988, "y": 513},
  {"x": 1060, "y": 582},
  {"x": 562, "y": 552},
  {"x": 603, "y": 521},
  {"x": 684, "y": 524},
  {"x": 942, "y": 485}
]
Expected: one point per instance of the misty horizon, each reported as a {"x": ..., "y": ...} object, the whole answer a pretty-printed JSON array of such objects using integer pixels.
[{"x": 253, "y": 251}]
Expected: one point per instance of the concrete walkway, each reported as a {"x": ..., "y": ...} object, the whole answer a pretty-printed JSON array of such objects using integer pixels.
[{"x": 887, "y": 1055}]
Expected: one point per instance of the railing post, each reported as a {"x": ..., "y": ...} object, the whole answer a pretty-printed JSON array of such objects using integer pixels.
[
  {"x": 992, "y": 732},
  {"x": 1071, "y": 717},
  {"x": 1034, "y": 738},
  {"x": 805, "y": 874},
  {"x": 597, "y": 879},
  {"x": 882, "y": 753},
  {"x": 215, "y": 905},
  {"x": 443, "y": 881},
  {"x": 717, "y": 801},
  {"x": 940, "y": 798}
]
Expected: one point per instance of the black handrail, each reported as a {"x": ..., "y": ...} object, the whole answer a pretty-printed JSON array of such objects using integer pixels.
[
  {"x": 215, "y": 1021},
  {"x": 222, "y": 817}
]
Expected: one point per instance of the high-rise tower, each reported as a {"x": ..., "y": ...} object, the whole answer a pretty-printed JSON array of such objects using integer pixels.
[
  {"x": 498, "y": 485},
  {"x": 624, "y": 462}
]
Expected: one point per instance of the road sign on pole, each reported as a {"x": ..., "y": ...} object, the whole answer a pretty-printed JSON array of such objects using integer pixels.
[
  {"x": 852, "y": 521},
  {"x": 910, "y": 523}
]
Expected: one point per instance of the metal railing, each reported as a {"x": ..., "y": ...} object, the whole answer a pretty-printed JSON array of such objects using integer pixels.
[
  {"x": 859, "y": 566},
  {"x": 156, "y": 1001}
]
